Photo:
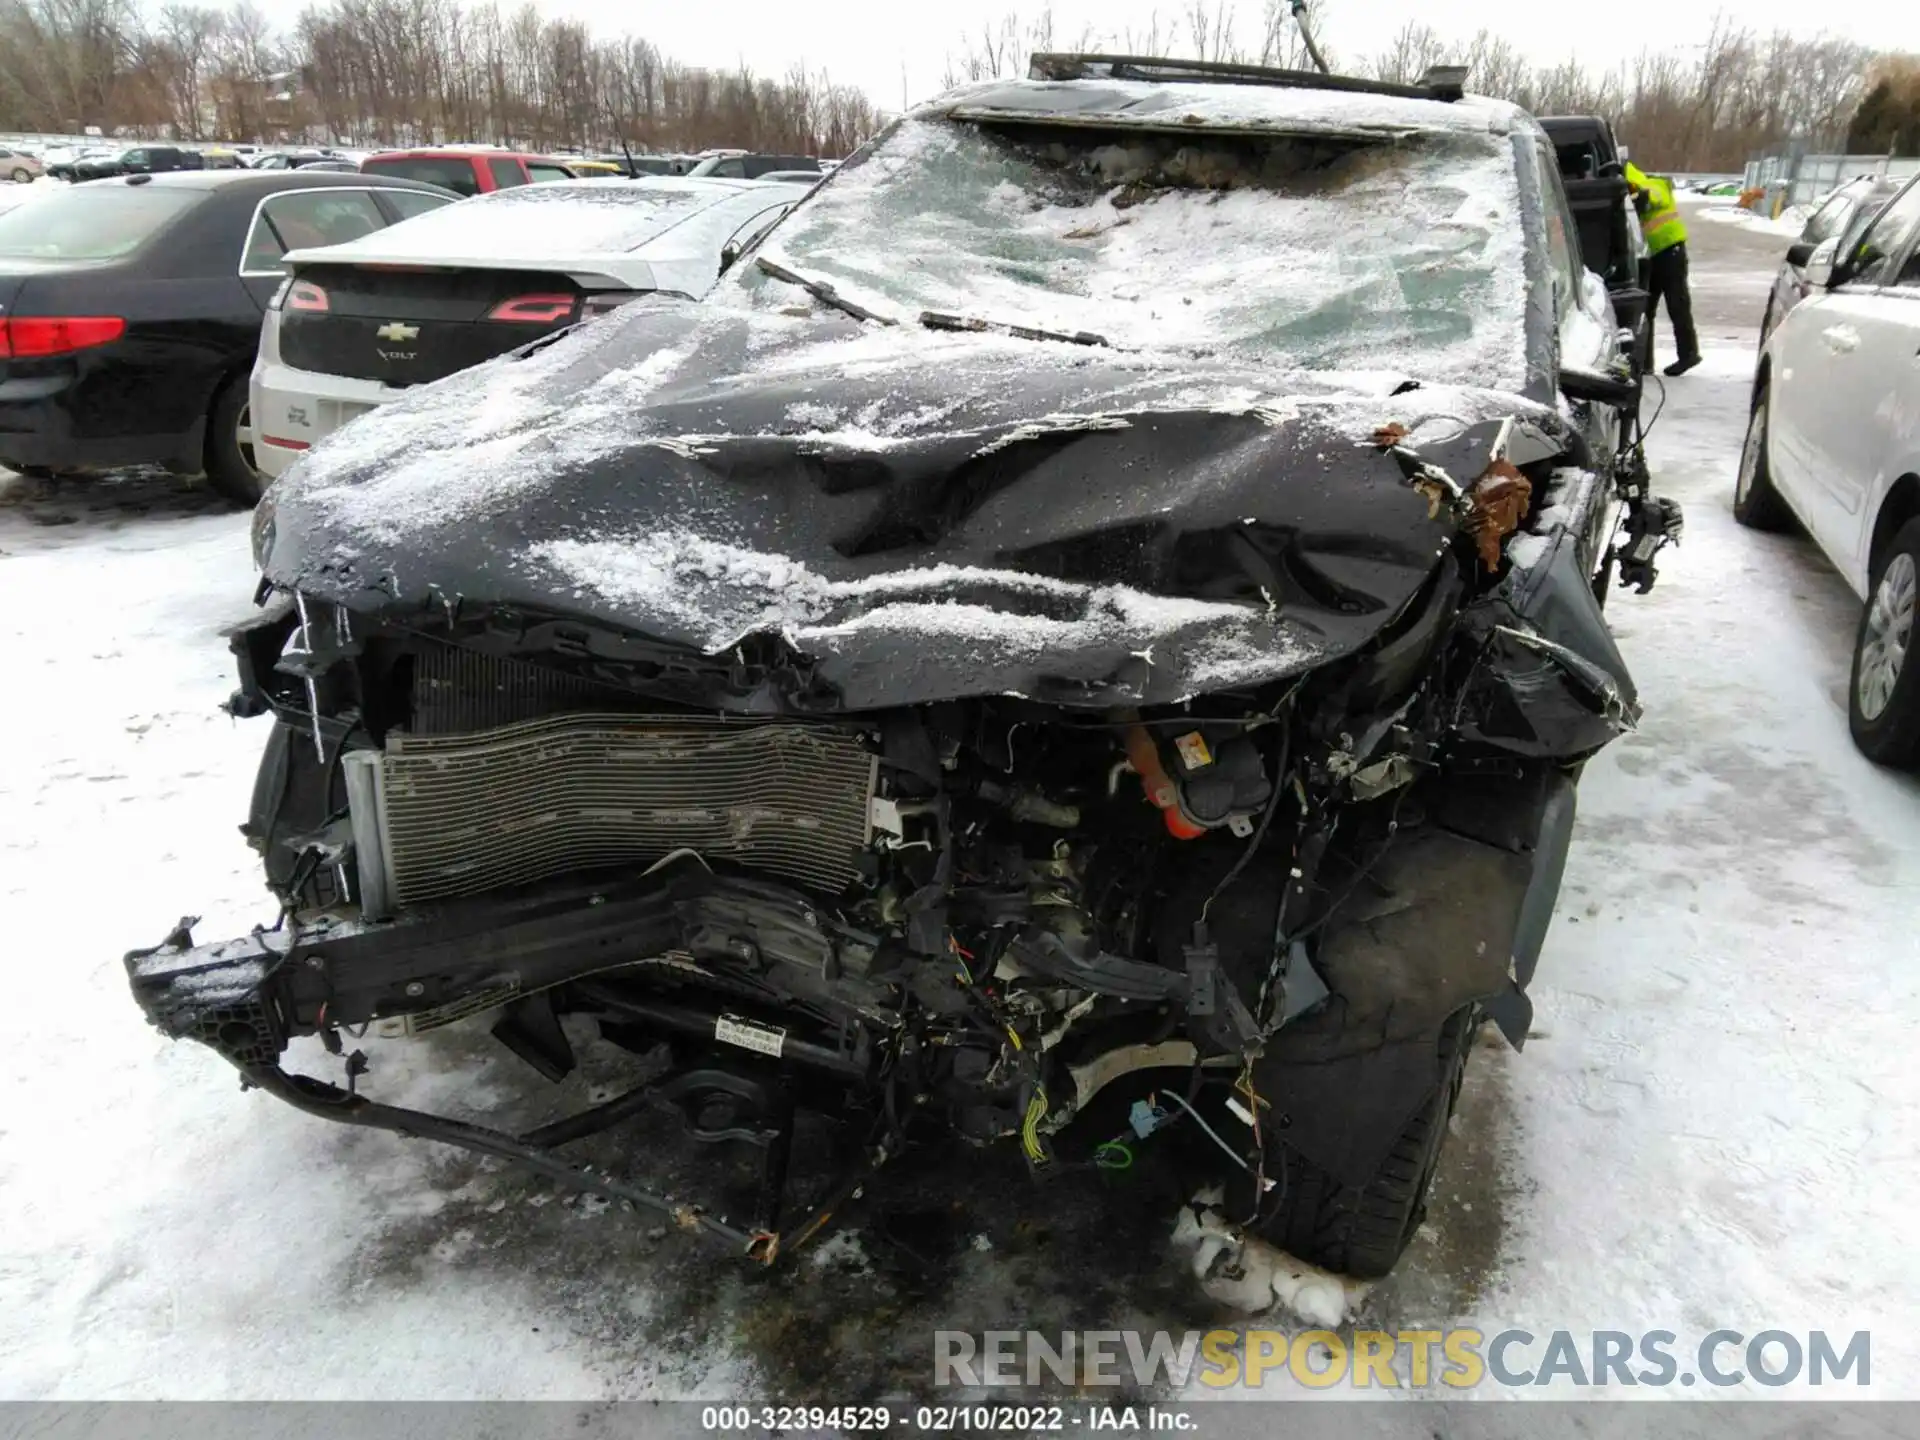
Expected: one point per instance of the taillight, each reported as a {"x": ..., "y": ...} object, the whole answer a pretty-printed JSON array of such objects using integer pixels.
[
  {"x": 28, "y": 336},
  {"x": 533, "y": 309},
  {"x": 305, "y": 295}
]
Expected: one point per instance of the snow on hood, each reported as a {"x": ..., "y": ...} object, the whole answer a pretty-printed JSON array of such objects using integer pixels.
[
  {"x": 717, "y": 594},
  {"x": 919, "y": 514},
  {"x": 514, "y": 427}
]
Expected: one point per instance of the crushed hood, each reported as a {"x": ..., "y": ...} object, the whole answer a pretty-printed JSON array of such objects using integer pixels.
[{"x": 917, "y": 515}]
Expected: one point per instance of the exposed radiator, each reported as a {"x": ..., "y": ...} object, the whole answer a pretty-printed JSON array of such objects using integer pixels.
[
  {"x": 565, "y": 794},
  {"x": 458, "y": 691}
]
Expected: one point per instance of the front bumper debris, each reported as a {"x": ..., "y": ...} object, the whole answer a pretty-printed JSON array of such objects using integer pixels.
[{"x": 245, "y": 998}]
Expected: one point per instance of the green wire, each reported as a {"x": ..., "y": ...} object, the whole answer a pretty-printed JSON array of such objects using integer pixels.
[{"x": 1112, "y": 1155}]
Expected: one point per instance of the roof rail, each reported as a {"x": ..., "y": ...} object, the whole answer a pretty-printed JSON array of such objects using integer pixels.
[{"x": 1441, "y": 82}]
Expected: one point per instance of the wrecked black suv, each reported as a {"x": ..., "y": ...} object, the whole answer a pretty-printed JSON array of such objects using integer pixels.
[{"x": 1105, "y": 600}]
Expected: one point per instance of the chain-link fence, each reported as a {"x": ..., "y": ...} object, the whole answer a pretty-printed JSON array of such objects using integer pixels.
[{"x": 1795, "y": 178}]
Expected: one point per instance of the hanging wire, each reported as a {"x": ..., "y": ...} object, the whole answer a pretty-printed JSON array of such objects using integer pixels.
[{"x": 1232, "y": 1154}]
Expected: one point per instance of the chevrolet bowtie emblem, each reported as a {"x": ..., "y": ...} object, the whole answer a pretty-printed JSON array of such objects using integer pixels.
[{"x": 398, "y": 330}]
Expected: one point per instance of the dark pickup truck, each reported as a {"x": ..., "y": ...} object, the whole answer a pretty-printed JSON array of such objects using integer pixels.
[{"x": 1593, "y": 171}]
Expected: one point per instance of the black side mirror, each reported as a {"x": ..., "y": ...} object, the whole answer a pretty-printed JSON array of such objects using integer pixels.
[
  {"x": 1601, "y": 389},
  {"x": 1799, "y": 253},
  {"x": 1823, "y": 270}
]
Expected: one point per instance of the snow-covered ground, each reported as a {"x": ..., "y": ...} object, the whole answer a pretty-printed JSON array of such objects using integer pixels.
[
  {"x": 1787, "y": 224},
  {"x": 1711, "y": 1127}
]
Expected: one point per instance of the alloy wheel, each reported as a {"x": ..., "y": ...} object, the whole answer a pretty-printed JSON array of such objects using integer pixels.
[{"x": 1888, "y": 636}]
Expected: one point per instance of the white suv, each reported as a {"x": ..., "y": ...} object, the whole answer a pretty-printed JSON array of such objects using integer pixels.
[{"x": 1834, "y": 443}]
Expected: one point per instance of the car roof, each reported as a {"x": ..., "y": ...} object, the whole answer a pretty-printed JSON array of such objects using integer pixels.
[
  {"x": 264, "y": 182},
  {"x": 476, "y": 152},
  {"x": 1182, "y": 107},
  {"x": 562, "y": 225}
]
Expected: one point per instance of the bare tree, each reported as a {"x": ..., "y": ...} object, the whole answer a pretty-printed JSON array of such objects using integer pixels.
[
  {"x": 1414, "y": 46},
  {"x": 377, "y": 72},
  {"x": 1739, "y": 93},
  {"x": 1210, "y": 30},
  {"x": 1282, "y": 41}
]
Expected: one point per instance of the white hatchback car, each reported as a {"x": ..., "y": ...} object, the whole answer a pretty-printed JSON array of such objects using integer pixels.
[
  {"x": 1834, "y": 442},
  {"x": 355, "y": 325}
]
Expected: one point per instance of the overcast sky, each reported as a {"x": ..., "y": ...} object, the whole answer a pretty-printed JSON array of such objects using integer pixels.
[{"x": 879, "y": 43}]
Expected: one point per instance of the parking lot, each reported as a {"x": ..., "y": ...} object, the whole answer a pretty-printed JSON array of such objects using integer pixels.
[{"x": 1708, "y": 1126}]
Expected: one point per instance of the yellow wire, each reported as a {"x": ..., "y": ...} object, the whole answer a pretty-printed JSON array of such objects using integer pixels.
[{"x": 1030, "y": 1130}]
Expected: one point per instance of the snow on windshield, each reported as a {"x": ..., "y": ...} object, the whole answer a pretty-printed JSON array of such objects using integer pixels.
[{"x": 1315, "y": 252}]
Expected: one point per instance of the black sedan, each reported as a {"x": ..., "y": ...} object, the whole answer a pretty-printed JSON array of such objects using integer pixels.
[{"x": 130, "y": 311}]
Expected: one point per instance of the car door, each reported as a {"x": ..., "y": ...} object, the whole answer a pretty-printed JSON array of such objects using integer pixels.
[
  {"x": 1888, "y": 446},
  {"x": 1838, "y": 357},
  {"x": 1582, "y": 310}
]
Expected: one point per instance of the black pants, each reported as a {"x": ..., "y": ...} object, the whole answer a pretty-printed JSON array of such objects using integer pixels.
[{"x": 1668, "y": 281}]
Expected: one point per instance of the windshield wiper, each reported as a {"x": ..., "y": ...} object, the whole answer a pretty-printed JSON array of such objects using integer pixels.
[
  {"x": 940, "y": 320},
  {"x": 819, "y": 290}
]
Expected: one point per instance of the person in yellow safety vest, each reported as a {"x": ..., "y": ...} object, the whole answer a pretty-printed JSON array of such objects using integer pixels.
[{"x": 1666, "y": 236}]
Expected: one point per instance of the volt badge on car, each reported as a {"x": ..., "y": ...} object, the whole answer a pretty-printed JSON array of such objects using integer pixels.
[{"x": 398, "y": 330}]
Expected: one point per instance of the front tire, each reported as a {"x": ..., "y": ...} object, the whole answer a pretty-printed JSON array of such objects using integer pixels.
[
  {"x": 1883, "y": 693},
  {"x": 1364, "y": 1231},
  {"x": 1756, "y": 504},
  {"x": 229, "y": 456}
]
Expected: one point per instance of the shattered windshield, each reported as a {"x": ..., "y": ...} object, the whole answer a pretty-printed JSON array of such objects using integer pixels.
[{"x": 1319, "y": 252}]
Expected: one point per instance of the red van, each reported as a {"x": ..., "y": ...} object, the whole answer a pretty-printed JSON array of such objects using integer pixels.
[{"x": 466, "y": 171}]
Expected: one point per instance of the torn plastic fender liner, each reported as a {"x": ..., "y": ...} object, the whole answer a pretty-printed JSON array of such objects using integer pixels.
[
  {"x": 1530, "y": 696},
  {"x": 1548, "y": 679},
  {"x": 1455, "y": 916}
]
